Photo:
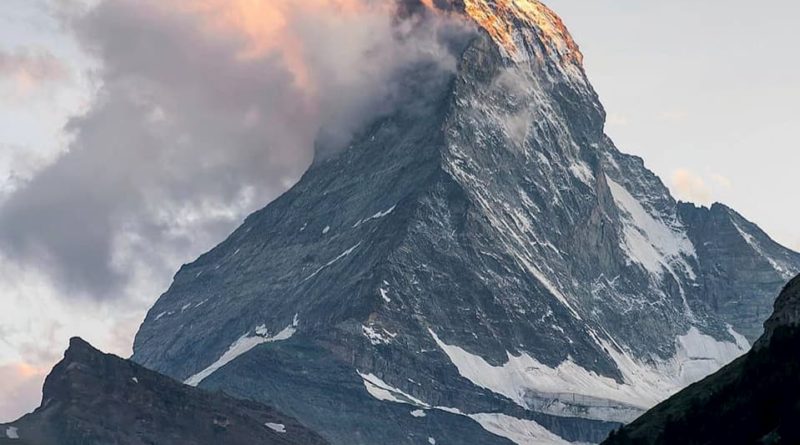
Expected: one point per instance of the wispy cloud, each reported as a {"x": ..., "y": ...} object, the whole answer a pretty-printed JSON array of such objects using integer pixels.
[
  {"x": 30, "y": 68},
  {"x": 207, "y": 110},
  {"x": 722, "y": 180},
  {"x": 699, "y": 188},
  {"x": 691, "y": 187}
]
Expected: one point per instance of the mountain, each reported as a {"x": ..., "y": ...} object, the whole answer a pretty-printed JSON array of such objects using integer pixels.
[
  {"x": 754, "y": 400},
  {"x": 482, "y": 266},
  {"x": 91, "y": 398}
]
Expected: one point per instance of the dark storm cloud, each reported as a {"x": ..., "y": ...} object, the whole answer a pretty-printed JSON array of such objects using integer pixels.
[{"x": 192, "y": 128}]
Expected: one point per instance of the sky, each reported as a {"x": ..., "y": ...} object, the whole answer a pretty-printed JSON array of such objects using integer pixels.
[
  {"x": 138, "y": 133},
  {"x": 706, "y": 92}
]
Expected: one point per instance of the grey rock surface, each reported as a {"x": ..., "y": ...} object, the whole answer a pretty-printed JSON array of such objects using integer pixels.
[{"x": 742, "y": 267}]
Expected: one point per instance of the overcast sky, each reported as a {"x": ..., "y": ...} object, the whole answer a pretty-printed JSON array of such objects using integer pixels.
[
  {"x": 122, "y": 158},
  {"x": 707, "y": 92}
]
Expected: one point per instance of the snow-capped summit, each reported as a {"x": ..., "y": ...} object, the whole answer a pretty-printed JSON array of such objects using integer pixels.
[{"x": 480, "y": 266}]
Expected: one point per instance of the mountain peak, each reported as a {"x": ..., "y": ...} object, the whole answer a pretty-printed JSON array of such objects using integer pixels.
[
  {"x": 510, "y": 22},
  {"x": 502, "y": 18}
]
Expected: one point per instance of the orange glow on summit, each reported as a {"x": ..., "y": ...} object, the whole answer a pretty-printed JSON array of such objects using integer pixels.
[{"x": 500, "y": 18}]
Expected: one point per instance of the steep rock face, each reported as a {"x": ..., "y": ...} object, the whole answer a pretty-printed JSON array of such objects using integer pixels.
[
  {"x": 754, "y": 400},
  {"x": 91, "y": 398},
  {"x": 741, "y": 266},
  {"x": 480, "y": 266}
]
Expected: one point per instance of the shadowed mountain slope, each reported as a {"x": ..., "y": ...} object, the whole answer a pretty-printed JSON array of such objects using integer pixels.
[{"x": 91, "y": 398}]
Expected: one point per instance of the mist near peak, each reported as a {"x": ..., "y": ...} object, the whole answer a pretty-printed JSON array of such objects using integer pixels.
[{"x": 205, "y": 112}]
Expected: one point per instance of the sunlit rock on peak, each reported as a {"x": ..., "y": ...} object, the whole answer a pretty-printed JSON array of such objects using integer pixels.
[{"x": 507, "y": 21}]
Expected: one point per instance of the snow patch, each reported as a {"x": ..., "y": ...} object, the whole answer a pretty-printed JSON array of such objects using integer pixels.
[
  {"x": 333, "y": 261},
  {"x": 12, "y": 433},
  {"x": 378, "y": 215},
  {"x": 741, "y": 340},
  {"x": 521, "y": 432},
  {"x": 380, "y": 390},
  {"x": 582, "y": 172},
  {"x": 549, "y": 286},
  {"x": 385, "y": 295},
  {"x": 648, "y": 240},
  {"x": 785, "y": 271},
  {"x": 701, "y": 355},
  {"x": 277, "y": 427},
  {"x": 523, "y": 378},
  {"x": 239, "y": 347},
  {"x": 376, "y": 337},
  {"x": 450, "y": 410}
]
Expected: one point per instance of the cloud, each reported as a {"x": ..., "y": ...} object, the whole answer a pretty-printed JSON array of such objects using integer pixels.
[
  {"x": 691, "y": 187},
  {"x": 36, "y": 322},
  {"x": 722, "y": 180},
  {"x": 206, "y": 111},
  {"x": 17, "y": 166},
  {"x": 29, "y": 68},
  {"x": 700, "y": 189},
  {"x": 20, "y": 391}
]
